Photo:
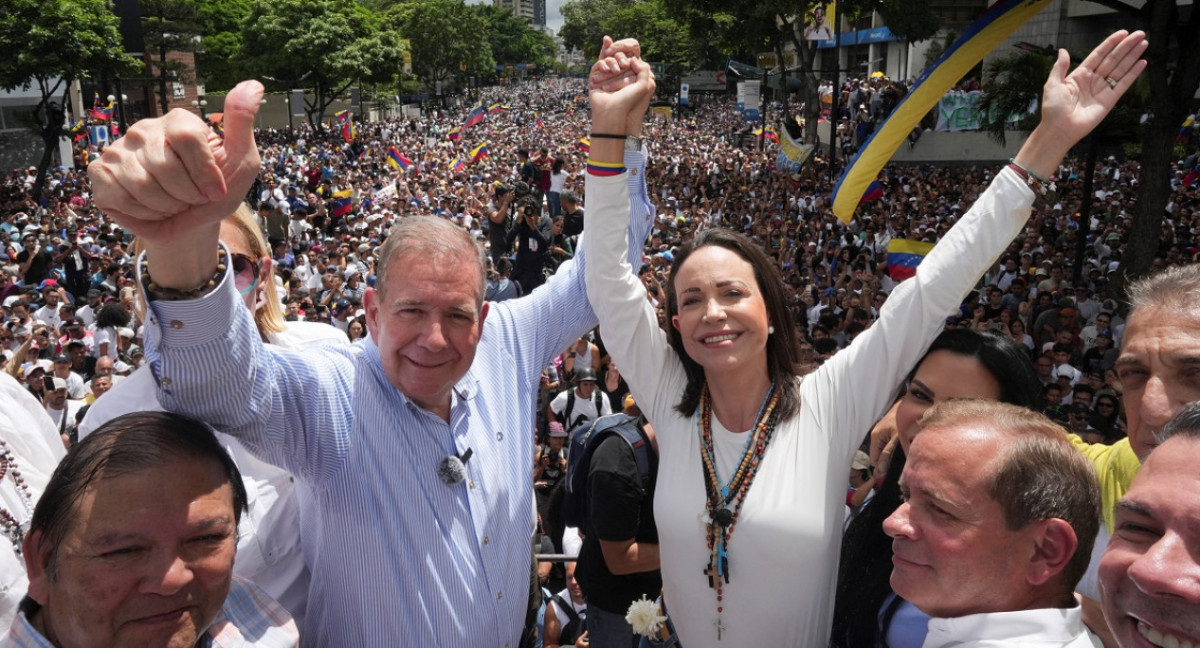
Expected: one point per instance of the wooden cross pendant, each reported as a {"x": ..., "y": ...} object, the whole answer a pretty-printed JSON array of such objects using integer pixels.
[{"x": 712, "y": 574}]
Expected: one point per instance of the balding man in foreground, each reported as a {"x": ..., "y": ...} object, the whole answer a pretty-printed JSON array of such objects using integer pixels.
[{"x": 996, "y": 529}]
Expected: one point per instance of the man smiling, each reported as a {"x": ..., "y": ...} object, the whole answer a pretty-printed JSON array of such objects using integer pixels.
[
  {"x": 1150, "y": 572},
  {"x": 132, "y": 544}
]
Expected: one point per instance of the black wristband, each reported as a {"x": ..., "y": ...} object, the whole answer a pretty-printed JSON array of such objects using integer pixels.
[{"x": 608, "y": 136}]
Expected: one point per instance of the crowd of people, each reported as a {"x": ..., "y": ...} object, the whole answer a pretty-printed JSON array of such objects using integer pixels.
[{"x": 301, "y": 350}]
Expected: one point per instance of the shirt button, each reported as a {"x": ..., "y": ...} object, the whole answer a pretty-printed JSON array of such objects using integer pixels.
[
  {"x": 634, "y": 172},
  {"x": 176, "y": 324},
  {"x": 499, "y": 436},
  {"x": 166, "y": 382},
  {"x": 471, "y": 484},
  {"x": 499, "y": 595},
  {"x": 486, "y": 540}
]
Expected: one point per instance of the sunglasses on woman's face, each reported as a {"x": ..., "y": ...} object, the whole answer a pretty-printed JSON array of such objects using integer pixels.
[{"x": 245, "y": 273}]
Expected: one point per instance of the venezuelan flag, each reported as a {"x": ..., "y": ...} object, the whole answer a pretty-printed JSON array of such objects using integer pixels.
[
  {"x": 455, "y": 133},
  {"x": 479, "y": 152},
  {"x": 585, "y": 145},
  {"x": 342, "y": 116},
  {"x": 342, "y": 202},
  {"x": 348, "y": 131},
  {"x": 494, "y": 108},
  {"x": 1000, "y": 20},
  {"x": 904, "y": 255},
  {"x": 874, "y": 192},
  {"x": 476, "y": 115},
  {"x": 457, "y": 165},
  {"x": 397, "y": 159},
  {"x": 768, "y": 133},
  {"x": 103, "y": 113}
]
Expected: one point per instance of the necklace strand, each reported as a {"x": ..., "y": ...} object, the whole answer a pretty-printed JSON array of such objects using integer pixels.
[
  {"x": 14, "y": 529},
  {"x": 721, "y": 518}
]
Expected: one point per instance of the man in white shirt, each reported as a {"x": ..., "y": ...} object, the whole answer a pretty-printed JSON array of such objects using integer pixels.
[
  {"x": 582, "y": 403},
  {"x": 997, "y": 527}
]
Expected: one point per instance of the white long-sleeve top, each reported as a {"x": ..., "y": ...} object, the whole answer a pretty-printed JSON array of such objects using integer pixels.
[{"x": 783, "y": 554}]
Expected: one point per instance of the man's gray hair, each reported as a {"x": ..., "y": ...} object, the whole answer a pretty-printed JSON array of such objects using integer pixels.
[
  {"x": 1175, "y": 289},
  {"x": 569, "y": 196},
  {"x": 1186, "y": 423},
  {"x": 434, "y": 240}
]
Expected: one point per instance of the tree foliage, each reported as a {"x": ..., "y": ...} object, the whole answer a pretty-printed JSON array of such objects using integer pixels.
[
  {"x": 662, "y": 38},
  {"x": 514, "y": 40},
  {"x": 1172, "y": 77},
  {"x": 1012, "y": 83},
  {"x": 322, "y": 45},
  {"x": 218, "y": 61},
  {"x": 170, "y": 26},
  {"x": 49, "y": 44},
  {"x": 446, "y": 38}
]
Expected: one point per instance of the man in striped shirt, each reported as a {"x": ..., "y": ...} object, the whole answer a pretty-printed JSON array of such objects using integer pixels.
[{"x": 404, "y": 548}]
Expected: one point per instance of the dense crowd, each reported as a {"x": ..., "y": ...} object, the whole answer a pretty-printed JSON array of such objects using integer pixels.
[
  {"x": 68, "y": 295},
  {"x": 325, "y": 204}
]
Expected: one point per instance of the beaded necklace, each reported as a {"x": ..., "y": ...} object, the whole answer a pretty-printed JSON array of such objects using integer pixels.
[
  {"x": 14, "y": 529},
  {"x": 725, "y": 501}
]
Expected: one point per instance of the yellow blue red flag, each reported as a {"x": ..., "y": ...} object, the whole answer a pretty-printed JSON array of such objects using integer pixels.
[
  {"x": 1000, "y": 20},
  {"x": 903, "y": 257}
]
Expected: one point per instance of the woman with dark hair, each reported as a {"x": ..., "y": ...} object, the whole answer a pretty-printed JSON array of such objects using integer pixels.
[
  {"x": 961, "y": 363},
  {"x": 109, "y": 320},
  {"x": 753, "y": 459},
  {"x": 1106, "y": 417}
]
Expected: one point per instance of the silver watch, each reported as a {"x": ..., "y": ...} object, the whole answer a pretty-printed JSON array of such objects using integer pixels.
[{"x": 633, "y": 143}]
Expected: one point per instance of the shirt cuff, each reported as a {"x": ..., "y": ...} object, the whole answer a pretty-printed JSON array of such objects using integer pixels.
[{"x": 193, "y": 322}]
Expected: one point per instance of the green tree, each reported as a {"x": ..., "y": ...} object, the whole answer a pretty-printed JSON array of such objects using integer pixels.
[
  {"x": 218, "y": 61},
  {"x": 170, "y": 26},
  {"x": 447, "y": 39},
  {"x": 1011, "y": 84},
  {"x": 322, "y": 45},
  {"x": 583, "y": 23},
  {"x": 48, "y": 45},
  {"x": 1172, "y": 76},
  {"x": 663, "y": 39},
  {"x": 514, "y": 40}
]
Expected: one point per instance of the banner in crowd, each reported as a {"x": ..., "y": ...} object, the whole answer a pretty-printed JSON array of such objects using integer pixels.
[
  {"x": 1001, "y": 20},
  {"x": 959, "y": 111},
  {"x": 792, "y": 152},
  {"x": 903, "y": 257}
]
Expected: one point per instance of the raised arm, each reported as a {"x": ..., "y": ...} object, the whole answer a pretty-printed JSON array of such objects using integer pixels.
[{"x": 172, "y": 180}]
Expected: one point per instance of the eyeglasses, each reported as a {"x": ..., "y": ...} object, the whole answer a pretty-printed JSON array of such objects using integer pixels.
[{"x": 245, "y": 273}]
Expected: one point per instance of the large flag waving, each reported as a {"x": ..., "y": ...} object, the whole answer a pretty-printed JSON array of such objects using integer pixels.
[
  {"x": 477, "y": 114},
  {"x": 1002, "y": 19},
  {"x": 479, "y": 152}
]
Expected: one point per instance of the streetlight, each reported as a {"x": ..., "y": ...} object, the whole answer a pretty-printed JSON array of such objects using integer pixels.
[
  {"x": 120, "y": 99},
  {"x": 199, "y": 105}
]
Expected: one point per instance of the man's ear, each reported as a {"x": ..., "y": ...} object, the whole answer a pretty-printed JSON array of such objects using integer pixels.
[
  {"x": 1054, "y": 545},
  {"x": 37, "y": 565}
]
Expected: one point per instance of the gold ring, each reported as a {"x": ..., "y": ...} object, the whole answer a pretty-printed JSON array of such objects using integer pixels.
[{"x": 1112, "y": 83}]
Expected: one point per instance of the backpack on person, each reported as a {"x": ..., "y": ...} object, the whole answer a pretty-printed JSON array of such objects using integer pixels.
[
  {"x": 569, "y": 408},
  {"x": 576, "y": 625},
  {"x": 582, "y": 443}
]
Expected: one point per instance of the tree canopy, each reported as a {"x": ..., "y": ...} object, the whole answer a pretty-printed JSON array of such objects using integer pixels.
[
  {"x": 325, "y": 45},
  {"x": 49, "y": 44},
  {"x": 447, "y": 38}
]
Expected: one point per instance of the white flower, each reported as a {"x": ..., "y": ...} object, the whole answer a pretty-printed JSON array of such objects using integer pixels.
[{"x": 643, "y": 616}]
